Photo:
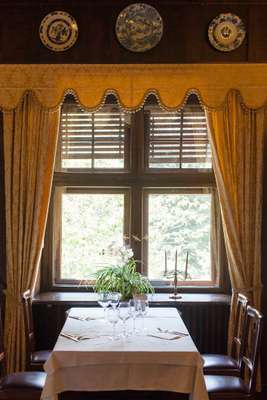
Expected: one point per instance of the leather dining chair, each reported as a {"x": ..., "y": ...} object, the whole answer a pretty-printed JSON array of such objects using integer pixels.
[
  {"x": 222, "y": 387},
  {"x": 34, "y": 359},
  {"x": 19, "y": 385},
  {"x": 220, "y": 364}
]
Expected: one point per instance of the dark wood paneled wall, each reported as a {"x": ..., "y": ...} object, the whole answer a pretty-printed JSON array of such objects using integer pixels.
[{"x": 184, "y": 40}]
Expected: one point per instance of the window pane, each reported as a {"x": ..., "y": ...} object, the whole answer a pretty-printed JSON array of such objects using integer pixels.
[
  {"x": 90, "y": 223},
  {"x": 182, "y": 222},
  {"x": 92, "y": 140}
]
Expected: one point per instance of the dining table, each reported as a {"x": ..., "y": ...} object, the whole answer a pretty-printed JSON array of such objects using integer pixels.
[{"x": 158, "y": 355}]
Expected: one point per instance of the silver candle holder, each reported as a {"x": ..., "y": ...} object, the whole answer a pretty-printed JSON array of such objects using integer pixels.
[
  {"x": 175, "y": 294},
  {"x": 174, "y": 273}
]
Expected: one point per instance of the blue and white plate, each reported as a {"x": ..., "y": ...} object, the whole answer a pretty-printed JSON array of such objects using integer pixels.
[
  {"x": 139, "y": 27},
  {"x": 58, "y": 31},
  {"x": 226, "y": 32}
]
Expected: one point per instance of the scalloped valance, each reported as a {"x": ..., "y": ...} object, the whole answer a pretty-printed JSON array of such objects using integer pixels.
[{"x": 132, "y": 83}]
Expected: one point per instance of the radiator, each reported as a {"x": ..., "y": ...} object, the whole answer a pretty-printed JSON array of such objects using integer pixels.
[{"x": 207, "y": 324}]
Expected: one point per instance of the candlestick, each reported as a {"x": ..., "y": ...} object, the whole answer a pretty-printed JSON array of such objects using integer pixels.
[
  {"x": 175, "y": 295},
  {"x": 166, "y": 264},
  {"x": 175, "y": 272},
  {"x": 186, "y": 266}
]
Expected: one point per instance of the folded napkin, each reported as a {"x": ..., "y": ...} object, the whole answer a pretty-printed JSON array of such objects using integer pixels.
[{"x": 165, "y": 335}]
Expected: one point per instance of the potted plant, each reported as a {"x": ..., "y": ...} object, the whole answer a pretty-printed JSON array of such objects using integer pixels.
[{"x": 123, "y": 278}]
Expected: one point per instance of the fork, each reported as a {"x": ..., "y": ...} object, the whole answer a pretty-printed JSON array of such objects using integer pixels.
[
  {"x": 84, "y": 318},
  {"x": 172, "y": 332},
  {"x": 76, "y": 338}
]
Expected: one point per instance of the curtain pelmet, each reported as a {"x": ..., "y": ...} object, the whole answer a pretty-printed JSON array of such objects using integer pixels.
[{"x": 132, "y": 83}]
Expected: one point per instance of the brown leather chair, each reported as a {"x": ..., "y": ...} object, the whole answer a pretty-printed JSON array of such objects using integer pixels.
[
  {"x": 34, "y": 359},
  {"x": 222, "y": 387},
  {"x": 22, "y": 386},
  {"x": 19, "y": 385},
  {"x": 220, "y": 364}
]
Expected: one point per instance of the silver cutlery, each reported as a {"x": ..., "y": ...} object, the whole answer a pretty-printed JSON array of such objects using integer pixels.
[
  {"x": 81, "y": 318},
  {"x": 75, "y": 338},
  {"x": 164, "y": 338},
  {"x": 172, "y": 332}
]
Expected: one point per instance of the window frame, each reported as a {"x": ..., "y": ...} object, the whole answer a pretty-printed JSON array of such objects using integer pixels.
[{"x": 136, "y": 178}]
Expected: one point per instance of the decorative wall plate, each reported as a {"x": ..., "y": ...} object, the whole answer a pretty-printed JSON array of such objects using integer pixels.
[
  {"x": 58, "y": 31},
  {"x": 139, "y": 27},
  {"x": 226, "y": 32}
]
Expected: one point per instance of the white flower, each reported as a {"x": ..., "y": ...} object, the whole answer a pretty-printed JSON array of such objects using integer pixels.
[{"x": 119, "y": 255}]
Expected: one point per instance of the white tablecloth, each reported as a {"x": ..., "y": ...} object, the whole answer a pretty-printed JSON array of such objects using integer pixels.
[{"x": 133, "y": 363}]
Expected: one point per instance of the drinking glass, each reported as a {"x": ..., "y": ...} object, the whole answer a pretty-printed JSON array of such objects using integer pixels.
[
  {"x": 142, "y": 307},
  {"x": 124, "y": 314},
  {"x": 113, "y": 318},
  {"x": 114, "y": 299},
  {"x": 104, "y": 300},
  {"x": 133, "y": 313}
]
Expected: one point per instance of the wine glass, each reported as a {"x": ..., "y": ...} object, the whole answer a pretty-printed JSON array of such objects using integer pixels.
[
  {"x": 142, "y": 307},
  {"x": 133, "y": 313},
  {"x": 113, "y": 318},
  {"x": 115, "y": 299},
  {"x": 104, "y": 300},
  {"x": 124, "y": 315}
]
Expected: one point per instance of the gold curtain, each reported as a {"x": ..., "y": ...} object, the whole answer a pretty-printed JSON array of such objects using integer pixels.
[
  {"x": 30, "y": 136},
  {"x": 236, "y": 136}
]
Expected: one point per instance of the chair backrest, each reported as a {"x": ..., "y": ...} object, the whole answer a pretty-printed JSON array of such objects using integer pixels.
[
  {"x": 252, "y": 339},
  {"x": 239, "y": 328},
  {"x": 2, "y": 353},
  {"x": 28, "y": 321}
]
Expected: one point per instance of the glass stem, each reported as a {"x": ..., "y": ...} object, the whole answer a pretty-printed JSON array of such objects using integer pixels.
[
  {"x": 114, "y": 331},
  {"x": 124, "y": 327}
]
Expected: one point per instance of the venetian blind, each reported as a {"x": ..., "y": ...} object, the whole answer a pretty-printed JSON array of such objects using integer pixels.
[
  {"x": 93, "y": 140},
  {"x": 177, "y": 139}
]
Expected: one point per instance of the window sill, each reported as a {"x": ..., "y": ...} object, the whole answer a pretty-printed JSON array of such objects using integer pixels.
[{"x": 157, "y": 299}]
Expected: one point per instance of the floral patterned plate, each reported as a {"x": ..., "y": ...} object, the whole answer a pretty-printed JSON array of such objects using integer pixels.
[
  {"x": 226, "y": 32},
  {"x": 58, "y": 31},
  {"x": 139, "y": 27}
]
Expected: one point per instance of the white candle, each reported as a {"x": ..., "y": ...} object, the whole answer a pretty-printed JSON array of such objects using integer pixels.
[
  {"x": 186, "y": 266},
  {"x": 175, "y": 265},
  {"x": 175, "y": 274},
  {"x": 166, "y": 263}
]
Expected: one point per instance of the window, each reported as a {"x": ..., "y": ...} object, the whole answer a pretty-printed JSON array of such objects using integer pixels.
[{"x": 143, "y": 179}]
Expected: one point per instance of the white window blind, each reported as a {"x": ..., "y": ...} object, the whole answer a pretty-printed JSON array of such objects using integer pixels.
[
  {"x": 177, "y": 139},
  {"x": 92, "y": 140}
]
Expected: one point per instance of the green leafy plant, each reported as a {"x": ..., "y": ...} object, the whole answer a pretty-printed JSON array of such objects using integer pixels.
[{"x": 123, "y": 279}]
